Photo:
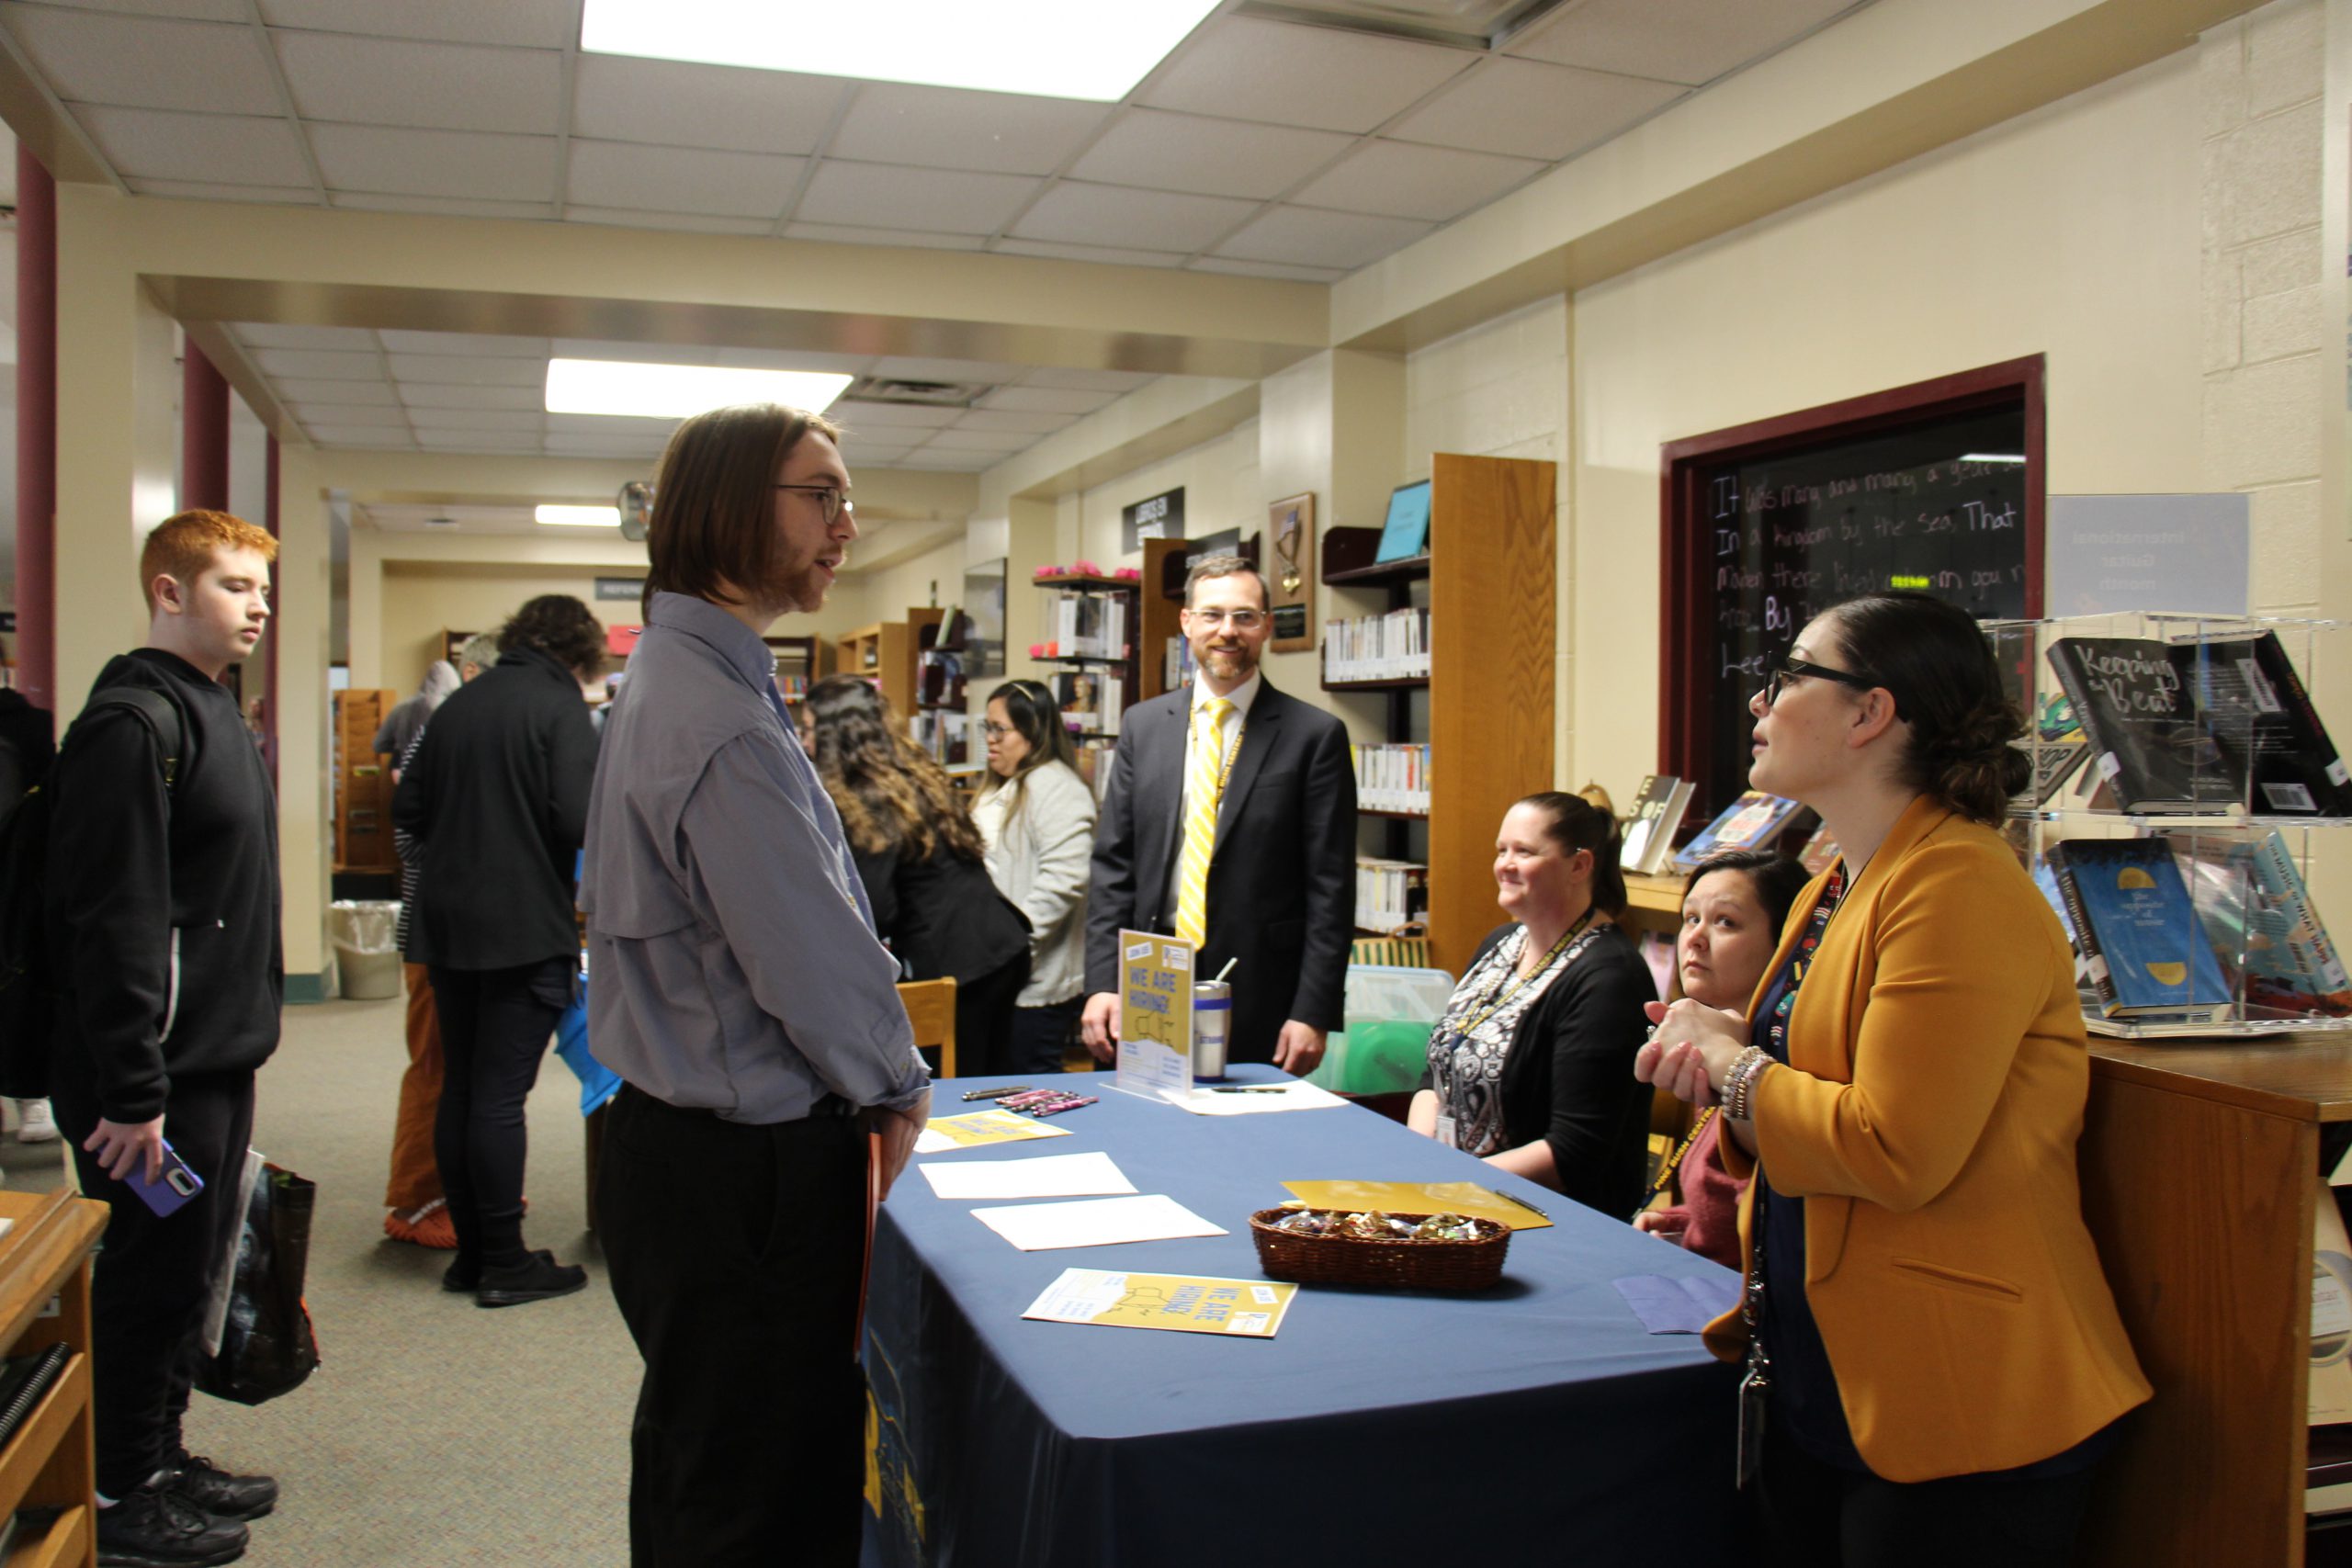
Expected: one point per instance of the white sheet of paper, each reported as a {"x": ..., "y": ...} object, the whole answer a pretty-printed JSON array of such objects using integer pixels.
[
  {"x": 1297, "y": 1095},
  {"x": 930, "y": 1143},
  {"x": 1048, "y": 1176},
  {"x": 1099, "y": 1222}
]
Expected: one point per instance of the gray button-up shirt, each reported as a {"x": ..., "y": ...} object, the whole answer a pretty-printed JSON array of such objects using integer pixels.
[{"x": 732, "y": 960}]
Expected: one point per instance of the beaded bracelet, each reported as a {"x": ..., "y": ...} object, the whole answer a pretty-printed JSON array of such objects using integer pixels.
[{"x": 1739, "y": 1084}]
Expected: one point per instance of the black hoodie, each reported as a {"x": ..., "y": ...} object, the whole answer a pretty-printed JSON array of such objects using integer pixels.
[{"x": 164, "y": 908}]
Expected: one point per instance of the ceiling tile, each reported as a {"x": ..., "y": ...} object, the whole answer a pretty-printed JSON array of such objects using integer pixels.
[
  {"x": 1116, "y": 255},
  {"x": 954, "y": 438},
  {"x": 950, "y": 128},
  {"x": 619, "y": 99},
  {"x": 478, "y": 418},
  {"x": 792, "y": 359},
  {"x": 904, "y": 416},
  {"x": 205, "y": 190},
  {"x": 445, "y": 395},
  {"x": 1303, "y": 236},
  {"x": 1046, "y": 400},
  {"x": 676, "y": 222},
  {"x": 358, "y": 435},
  {"x": 1672, "y": 41},
  {"x": 231, "y": 148},
  {"x": 1533, "y": 110},
  {"x": 680, "y": 179},
  {"x": 195, "y": 10},
  {"x": 498, "y": 442},
  {"x": 857, "y": 453},
  {"x": 540, "y": 24},
  {"x": 602, "y": 447},
  {"x": 617, "y": 427},
  {"x": 835, "y": 234},
  {"x": 374, "y": 394},
  {"x": 904, "y": 368},
  {"x": 435, "y": 163},
  {"x": 465, "y": 370},
  {"x": 351, "y": 416},
  {"x": 272, "y": 334},
  {"x": 635, "y": 353},
  {"x": 1232, "y": 269},
  {"x": 315, "y": 364},
  {"x": 440, "y": 86},
  {"x": 1320, "y": 77},
  {"x": 1009, "y": 419},
  {"x": 1398, "y": 179},
  {"x": 884, "y": 195},
  {"x": 487, "y": 345},
  {"x": 1207, "y": 157},
  {"x": 1117, "y": 382},
  {"x": 92, "y": 57},
  {"x": 940, "y": 461},
  {"x": 451, "y": 207},
  {"x": 1116, "y": 215}
]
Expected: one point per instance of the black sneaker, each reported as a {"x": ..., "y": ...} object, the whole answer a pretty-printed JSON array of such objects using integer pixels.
[
  {"x": 155, "y": 1528},
  {"x": 540, "y": 1279},
  {"x": 197, "y": 1479},
  {"x": 461, "y": 1278}
]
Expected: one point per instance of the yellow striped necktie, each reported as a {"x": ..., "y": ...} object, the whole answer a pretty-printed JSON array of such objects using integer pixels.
[{"x": 1204, "y": 790}]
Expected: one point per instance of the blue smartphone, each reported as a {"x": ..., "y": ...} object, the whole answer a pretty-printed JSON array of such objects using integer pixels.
[{"x": 171, "y": 1191}]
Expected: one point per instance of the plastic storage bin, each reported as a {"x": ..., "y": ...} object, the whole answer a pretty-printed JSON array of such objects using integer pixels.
[{"x": 1386, "y": 1046}]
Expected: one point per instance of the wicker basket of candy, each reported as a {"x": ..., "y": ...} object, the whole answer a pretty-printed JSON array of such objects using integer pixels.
[{"x": 1418, "y": 1252}]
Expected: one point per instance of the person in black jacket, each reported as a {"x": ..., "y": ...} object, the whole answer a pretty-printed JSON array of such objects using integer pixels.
[
  {"x": 1530, "y": 1066},
  {"x": 923, "y": 864},
  {"x": 160, "y": 903},
  {"x": 498, "y": 797}
]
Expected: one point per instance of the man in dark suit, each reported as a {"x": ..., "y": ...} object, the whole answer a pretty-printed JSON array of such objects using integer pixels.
[{"x": 1231, "y": 821}]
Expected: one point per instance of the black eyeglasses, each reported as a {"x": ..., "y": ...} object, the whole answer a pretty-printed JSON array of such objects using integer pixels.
[
  {"x": 834, "y": 502},
  {"x": 1797, "y": 669}
]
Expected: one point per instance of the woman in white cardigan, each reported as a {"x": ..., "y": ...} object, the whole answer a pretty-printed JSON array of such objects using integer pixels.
[{"x": 1038, "y": 819}]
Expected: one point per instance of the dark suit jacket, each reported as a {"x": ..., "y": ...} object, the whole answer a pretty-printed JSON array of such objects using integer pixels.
[{"x": 1282, "y": 883}]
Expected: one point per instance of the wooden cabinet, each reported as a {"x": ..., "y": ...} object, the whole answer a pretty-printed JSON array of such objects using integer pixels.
[
  {"x": 363, "y": 782},
  {"x": 47, "y": 1461},
  {"x": 887, "y": 653}
]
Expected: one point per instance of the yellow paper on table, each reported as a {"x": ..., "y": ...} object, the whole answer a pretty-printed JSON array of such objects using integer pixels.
[
  {"x": 984, "y": 1127},
  {"x": 1420, "y": 1197},
  {"x": 1185, "y": 1303}
]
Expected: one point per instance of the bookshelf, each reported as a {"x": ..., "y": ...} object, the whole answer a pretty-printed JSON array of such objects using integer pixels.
[
  {"x": 46, "y": 1462},
  {"x": 886, "y": 653},
  {"x": 799, "y": 663},
  {"x": 1073, "y": 667},
  {"x": 1489, "y": 578}
]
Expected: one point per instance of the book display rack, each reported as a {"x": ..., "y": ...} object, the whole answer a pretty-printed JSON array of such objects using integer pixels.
[
  {"x": 1089, "y": 623},
  {"x": 45, "y": 1459},
  {"x": 2180, "y": 769}
]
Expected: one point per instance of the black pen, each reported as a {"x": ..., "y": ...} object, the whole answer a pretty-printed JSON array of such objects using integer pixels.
[
  {"x": 1249, "y": 1088},
  {"x": 1524, "y": 1204}
]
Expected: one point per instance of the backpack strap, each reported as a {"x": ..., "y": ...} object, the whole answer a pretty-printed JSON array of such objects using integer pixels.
[{"x": 161, "y": 716}]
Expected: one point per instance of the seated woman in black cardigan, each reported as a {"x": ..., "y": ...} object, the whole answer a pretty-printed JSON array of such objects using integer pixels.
[
  {"x": 922, "y": 863},
  {"x": 1527, "y": 1068}
]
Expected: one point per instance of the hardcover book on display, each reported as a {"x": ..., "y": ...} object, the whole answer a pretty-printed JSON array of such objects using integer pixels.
[
  {"x": 2145, "y": 950},
  {"x": 1406, "y": 534},
  {"x": 1754, "y": 821},
  {"x": 2264, "y": 926},
  {"x": 1651, "y": 822}
]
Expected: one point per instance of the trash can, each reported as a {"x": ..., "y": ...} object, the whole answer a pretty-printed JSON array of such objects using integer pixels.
[{"x": 366, "y": 954}]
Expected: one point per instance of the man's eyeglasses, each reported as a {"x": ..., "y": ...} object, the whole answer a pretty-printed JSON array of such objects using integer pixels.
[
  {"x": 1239, "y": 620},
  {"x": 834, "y": 500},
  {"x": 1797, "y": 670}
]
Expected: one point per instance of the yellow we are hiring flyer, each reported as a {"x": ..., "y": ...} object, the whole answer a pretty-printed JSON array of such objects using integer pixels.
[{"x": 1183, "y": 1304}]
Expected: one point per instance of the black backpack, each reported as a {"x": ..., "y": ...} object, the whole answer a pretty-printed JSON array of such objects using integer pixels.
[{"x": 27, "y": 994}]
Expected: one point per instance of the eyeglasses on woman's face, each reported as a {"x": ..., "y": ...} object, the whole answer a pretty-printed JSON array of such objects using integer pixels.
[
  {"x": 1798, "y": 669},
  {"x": 995, "y": 731},
  {"x": 828, "y": 497}
]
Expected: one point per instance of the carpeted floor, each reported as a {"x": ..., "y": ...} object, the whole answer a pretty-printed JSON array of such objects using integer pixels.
[{"x": 434, "y": 1433}]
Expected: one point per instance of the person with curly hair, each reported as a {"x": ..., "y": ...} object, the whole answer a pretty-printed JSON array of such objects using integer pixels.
[
  {"x": 924, "y": 866},
  {"x": 497, "y": 798},
  {"x": 1936, "y": 1366}
]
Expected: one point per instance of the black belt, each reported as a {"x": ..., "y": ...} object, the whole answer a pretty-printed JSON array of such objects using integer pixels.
[{"x": 830, "y": 1105}]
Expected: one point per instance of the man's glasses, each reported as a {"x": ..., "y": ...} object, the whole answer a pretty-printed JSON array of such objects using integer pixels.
[
  {"x": 1797, "y": 670},
  {"x": 1239, "y": 620},
  {"x": 834, "y": 500}
]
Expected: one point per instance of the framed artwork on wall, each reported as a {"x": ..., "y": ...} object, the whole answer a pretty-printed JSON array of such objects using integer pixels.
[{"x": 1290, "y": 571}]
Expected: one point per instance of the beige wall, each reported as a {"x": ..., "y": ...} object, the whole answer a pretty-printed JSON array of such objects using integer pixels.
[{"x": 421, "y": 599}]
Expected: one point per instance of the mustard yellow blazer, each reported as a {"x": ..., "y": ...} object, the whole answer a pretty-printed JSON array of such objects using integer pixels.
[{"x": 1929, "y": 1124}]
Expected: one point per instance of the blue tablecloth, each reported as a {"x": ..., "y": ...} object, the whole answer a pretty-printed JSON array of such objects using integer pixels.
[{"x": 1537, "y": 1422}]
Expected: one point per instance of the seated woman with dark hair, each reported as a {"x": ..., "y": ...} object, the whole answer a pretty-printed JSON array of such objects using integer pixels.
[
  {"x": 1529, "y": 1068},
  {"x": 923, "y": 865}
]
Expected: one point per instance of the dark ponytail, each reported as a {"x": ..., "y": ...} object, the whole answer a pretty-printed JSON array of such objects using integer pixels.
[
  {"x": 1947, "y": 686},
  {"x": 1574, "y": 823}
]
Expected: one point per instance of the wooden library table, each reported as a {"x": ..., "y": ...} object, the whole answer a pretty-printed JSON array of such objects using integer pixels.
[
  {"x": 2200, "y": 1167},
  {"x": 45, "y": 1299}
]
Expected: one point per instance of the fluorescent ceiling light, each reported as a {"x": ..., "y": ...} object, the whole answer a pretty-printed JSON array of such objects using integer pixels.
[
  {"x": 2017, "y": 457},
  {"x": 1048, "y": 48},
  {"x": 579, "y": 516},
  {"x": 675, "y": 391}
]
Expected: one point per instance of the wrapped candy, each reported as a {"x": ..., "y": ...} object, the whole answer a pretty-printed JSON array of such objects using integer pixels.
[{"x": 1446, "y": 1227}]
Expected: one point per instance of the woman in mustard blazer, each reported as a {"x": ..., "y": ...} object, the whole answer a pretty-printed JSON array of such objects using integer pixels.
[{"x": 1939, "y": 1365}]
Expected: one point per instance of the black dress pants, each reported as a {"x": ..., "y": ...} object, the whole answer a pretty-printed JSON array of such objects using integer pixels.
[
  {"x": 736, "y": 1253},
  {"x": 1818, "y": 1515},
  {"x": 1041, "y": 1035},
  {"x": 150, "y": 1281},
  {"x": 984, "y": 1019},
  {"x": 495, "y": 1025}
]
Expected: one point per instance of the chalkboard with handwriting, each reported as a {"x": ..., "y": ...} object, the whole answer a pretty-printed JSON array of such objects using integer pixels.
[{"x": 1939, "y": 506}]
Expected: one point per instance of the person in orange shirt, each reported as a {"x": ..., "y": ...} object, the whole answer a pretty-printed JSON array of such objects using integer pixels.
[{"x": 1936, "y": 1366}]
